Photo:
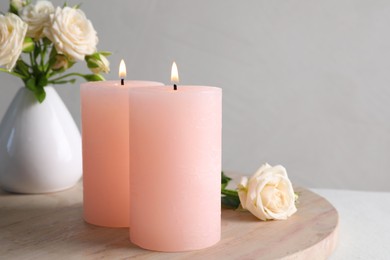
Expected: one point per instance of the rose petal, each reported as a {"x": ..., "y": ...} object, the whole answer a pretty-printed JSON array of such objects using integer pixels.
[{"x": 242, "y": 191}]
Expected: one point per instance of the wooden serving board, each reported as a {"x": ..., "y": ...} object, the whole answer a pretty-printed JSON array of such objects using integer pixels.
[{"x": 51, "y": 226}]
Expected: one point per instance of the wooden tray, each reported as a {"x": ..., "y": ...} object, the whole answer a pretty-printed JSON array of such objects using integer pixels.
[{"x": 51, "y": 226}]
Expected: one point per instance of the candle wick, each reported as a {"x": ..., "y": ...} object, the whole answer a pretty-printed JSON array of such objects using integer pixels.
[
  {"x": 122, "y": 82},
  {"x": 174, "y": 87}
]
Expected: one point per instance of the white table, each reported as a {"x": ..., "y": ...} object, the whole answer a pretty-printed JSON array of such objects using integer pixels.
[{"x": 364, "y": 228}]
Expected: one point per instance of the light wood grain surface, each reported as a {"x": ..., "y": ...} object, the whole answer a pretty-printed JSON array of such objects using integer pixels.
[{"x": 51, "y": 227}]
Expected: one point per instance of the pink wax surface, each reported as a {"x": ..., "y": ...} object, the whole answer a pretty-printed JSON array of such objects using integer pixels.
[
  {"x": 105, "y": 139},
  {"x": 175, "y": 167}
]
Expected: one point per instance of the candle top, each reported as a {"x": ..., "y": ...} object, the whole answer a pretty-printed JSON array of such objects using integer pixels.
[
  {"x": 117, "y": 84},
  {"x": 182, "y": 90}
]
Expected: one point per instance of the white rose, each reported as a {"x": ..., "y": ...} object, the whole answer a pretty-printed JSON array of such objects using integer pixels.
[
  {"x": 72, "y": 33},
  {"x": 37, "y": 16},
  {"x": 12, "y": 33},
  {"x": 268, "y": 194}
]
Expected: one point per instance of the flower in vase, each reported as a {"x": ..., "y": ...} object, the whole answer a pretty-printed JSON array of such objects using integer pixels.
[
  {"x": 12, "y": 33},
  {"x": 39, "y": 42},
  {"x": 72, "y": 33},
  {"x": 37, "y": 17}
]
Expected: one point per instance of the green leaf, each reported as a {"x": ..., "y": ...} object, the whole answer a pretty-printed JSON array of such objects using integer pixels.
[
  {"x": 40, "y": 94},
  {"x": 38, "y": 90},
  {"x": 95, "y": 56},
  {"x": 224, "y": 180},
  {"x": 229, "y": 198},
  {"x": 77, "y": 6},
  {"x": 92, "y": 64},
  {"x": 30, "y": 84},
  {"x": 22, "y": 67},
  {"x": 41, "y": 80},
  {"x": 230, "y": 202},
  {"x": 105, "y": 53}
]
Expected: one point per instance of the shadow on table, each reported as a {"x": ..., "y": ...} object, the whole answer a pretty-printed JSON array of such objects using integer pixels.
[
  {"x": 59, "y": 231},
  {"x": 52, "y": 225},
  {"x": 232, "y": 215}
]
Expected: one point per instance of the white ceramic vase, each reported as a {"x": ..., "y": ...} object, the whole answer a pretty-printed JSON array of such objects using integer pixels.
[{"x": 40, "y": 145}]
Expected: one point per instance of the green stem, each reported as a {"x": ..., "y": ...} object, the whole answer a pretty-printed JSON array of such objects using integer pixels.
[
  {"x": 48, "y": 70},
  {"x": 38, "y": 44},
  {"x": 33, "y": 64},
  {"x": 230, "y": 193},
  {"x": 31, "y": 59},
  {"x": 51, "y": 61},
  {"x": 12, "y": 73},
  {"x": 43, "y": 54},
  {"x": 68, "y": 75},
  {"x": 61, "y": 81}
]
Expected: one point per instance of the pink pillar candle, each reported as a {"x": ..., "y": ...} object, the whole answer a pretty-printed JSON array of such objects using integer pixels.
[
  {"x": 105, "y": 139},
  {"x": 175, "y": 167}
]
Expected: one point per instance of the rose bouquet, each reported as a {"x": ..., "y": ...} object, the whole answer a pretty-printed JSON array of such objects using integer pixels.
[
  {"x": 268, "y": 194},
  {"x": 39, "y": 42}
]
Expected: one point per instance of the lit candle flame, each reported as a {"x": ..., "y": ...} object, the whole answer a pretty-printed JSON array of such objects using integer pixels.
[
  {"x": 122, "y": 70},
  {"x": 174, "y": 73}
]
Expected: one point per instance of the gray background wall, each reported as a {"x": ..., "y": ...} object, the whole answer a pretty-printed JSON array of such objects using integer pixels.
[{"x": 306, "y": 83}]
